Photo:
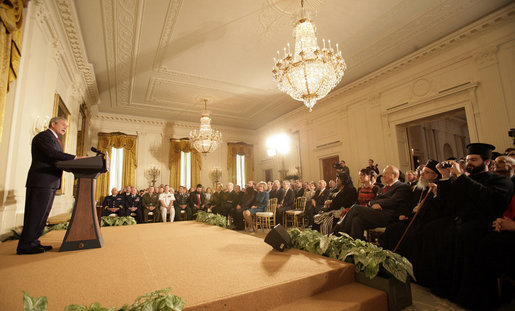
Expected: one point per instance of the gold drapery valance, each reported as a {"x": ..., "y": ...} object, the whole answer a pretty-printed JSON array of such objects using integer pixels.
[
  {"x": 242, "y": 149},
  {"x": 106, "y": 141},
  {"x": 11, "y": 17},
  {"x": 184, "y": 145}
]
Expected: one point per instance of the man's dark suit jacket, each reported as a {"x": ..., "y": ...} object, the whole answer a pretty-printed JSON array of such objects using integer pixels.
[
  {"x": 248, "y": 199},
  {"x": 46, "y": 150},
  {"x": 321, "y": 198},
  {"x": 194, "y": 199},
  {"x": 277, "y": 193},
  {"x": 289, "y": 197},
  {"x": 396, "y": 199}
]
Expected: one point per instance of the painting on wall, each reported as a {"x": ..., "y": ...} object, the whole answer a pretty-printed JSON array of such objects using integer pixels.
[{"x": 60, "y": 110}]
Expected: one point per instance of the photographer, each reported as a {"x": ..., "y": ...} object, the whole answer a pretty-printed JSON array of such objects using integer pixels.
[
  {"x": 373, "y": 166},
  {"x": 341, "y": 167}
]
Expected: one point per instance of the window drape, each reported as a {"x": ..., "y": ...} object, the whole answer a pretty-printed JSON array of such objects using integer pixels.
[
  {"x": 176, "y": 146},
  {"x": 242, "y": 149},
  {"x": 118, "y": 140}
]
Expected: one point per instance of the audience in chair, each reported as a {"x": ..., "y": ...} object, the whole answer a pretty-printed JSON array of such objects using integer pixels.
[
  {"x": 182, "y": 204},
  {"x": 391, "y": 201},
  {"x": 133, "y": 205},
  {"x": 260, "y": 205},
  {"x": 167, "y": 199},
  {"x": 114, "y": 204},
  {"x": 151, "y": 204},
  {"x": 286, "y": 203},
  {"x": 317, "y": 202},
  {"x": 246, "y": 201},
  {"x": 197, "y": 200},
  {"x": 344, "y": 196}
]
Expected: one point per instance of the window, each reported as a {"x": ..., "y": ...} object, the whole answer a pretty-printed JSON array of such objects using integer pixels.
[
  {"x": 116, "y": 168},
  {"x": 240, "y": 170},
  {"x": 186, "y": 169}
]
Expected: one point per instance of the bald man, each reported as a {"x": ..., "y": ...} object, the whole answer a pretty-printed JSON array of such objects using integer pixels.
[{"x": 390, "y": 202}]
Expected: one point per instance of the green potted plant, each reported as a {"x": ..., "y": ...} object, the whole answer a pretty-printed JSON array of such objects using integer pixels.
[
  {"x": 212, "y": 219},
  {"x": 375, "y": 267}
]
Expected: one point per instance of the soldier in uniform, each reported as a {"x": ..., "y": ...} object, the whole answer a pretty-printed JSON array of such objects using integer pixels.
[
  {"x": 133, "y": 205},
  {"x": 150, "y": 203},
  {"x": 114, "y": 204},
  {"x": 182, "y": 204}
]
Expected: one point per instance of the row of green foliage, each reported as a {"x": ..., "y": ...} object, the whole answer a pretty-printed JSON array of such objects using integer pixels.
[
  {"x": 212, "y": 219},
  {"x": 117, "y": 221},
  {"x": 366, "y": 256},
  {"x": 160, "y": 300},
  {"x": 106, "y": 221}
]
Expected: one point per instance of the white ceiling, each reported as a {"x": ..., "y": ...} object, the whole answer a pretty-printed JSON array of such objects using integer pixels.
[{"x": 158, "y": 58}]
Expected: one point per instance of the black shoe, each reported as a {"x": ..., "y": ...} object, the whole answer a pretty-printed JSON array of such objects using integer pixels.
[
  {"x": 45, "y": 247},
  {"x": 33, "y": 250}
]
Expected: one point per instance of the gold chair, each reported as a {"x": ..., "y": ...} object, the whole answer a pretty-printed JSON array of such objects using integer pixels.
[
  {"x": 293, "y": 216},
  {"x": 265, "y": 219}
]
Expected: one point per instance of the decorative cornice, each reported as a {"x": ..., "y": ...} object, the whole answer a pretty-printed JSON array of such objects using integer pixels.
[
  {"x": 501, "y": 16},
  {"x": 169, "y": 25},
  {"x": 129, "y": 119},
  {"x": 486, "y": 56},
  {"x": 70, "y": 22}
]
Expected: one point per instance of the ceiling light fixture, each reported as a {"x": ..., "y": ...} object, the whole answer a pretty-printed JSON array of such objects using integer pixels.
[
  {"x": 205, "y": 139},
  {"x": 310, "y": 73}
]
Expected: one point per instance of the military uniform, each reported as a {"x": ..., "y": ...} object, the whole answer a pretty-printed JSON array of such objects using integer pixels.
[
  {"x": 134, "y": 201},
  {"x": 182, "y": 199},
  {"x": 111, "y": 201},
  {"x": 151, "y": 200}
]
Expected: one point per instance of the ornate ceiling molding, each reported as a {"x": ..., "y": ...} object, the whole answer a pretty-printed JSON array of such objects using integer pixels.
[
  {"x": 166, "y": 35},
  {"x": 500, "y": 17},
  {"x": 70, "y": 22},
  {"x": 129, "y": 119}
]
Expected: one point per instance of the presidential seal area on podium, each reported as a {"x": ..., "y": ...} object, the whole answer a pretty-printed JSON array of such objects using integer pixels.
[{"x": 84, "y": 229}]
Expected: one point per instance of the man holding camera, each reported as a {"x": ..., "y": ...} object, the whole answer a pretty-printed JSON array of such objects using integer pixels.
[{"x": 476, "y": 198}]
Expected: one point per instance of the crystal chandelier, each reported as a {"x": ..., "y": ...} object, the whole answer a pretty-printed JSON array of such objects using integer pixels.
[
  {"x": 205, "y": 139},
  {"x": 310, "y": 74}
]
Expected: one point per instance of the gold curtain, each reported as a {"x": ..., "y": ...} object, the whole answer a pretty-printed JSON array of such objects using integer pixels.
[
  {"x": 242, "y": 149},
  {"x": 11, "y": 16},
  {"x": 106, "y": 141},
  {"x": 176, "y": 146}
]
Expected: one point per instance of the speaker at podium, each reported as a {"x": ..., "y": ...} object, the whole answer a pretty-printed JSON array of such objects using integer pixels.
[{"x": 84, "y": 230}]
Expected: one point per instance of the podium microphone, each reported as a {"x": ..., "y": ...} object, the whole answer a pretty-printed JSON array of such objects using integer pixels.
[{"x": 98, "y": 152}]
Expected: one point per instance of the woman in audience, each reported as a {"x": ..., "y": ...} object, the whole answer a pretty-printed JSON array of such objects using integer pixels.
[
  {"x": 260, "y": 204},
  {"x": 367, "y": 191},
  {"x": 208, "y": 193},
  {"x": 343, "y": 198}
]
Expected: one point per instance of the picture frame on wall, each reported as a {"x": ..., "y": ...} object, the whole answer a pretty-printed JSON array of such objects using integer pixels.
[{"x": 60, "y": 110}]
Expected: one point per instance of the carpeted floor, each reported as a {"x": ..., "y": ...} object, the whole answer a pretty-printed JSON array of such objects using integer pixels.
[{"x": 201, "y": 263}]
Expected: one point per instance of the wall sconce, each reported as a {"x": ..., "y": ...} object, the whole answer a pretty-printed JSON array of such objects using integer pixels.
[
  {"x": 215, "y": 175},
  {"x": 152, "y": 173},
  {"x": 40, "y": 124}
]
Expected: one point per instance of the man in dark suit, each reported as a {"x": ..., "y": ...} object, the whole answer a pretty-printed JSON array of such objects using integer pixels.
[
  {"x": 390, "y": 202},
  {"x": 197, "y": 200},
  {"x": 246, "y": 201},
  {"x": 286, "y": 203},
  {"x": 317, "y": 202},
  {"x": 43, "y": 179}
]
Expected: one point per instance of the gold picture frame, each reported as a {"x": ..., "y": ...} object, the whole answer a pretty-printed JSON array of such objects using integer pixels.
[{"x": 60, "y": 110}]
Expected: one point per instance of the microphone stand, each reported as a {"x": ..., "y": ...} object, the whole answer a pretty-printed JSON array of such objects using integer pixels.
[{"x": 413, "y": 219}]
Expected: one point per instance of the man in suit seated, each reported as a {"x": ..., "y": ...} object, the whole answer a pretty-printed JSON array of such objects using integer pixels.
[
  {"x": 391, "y": 201},
  {"x": 150, "y": 202},
  {"x": 197, "y": 200},
  {"x": 133, "y": 205},
  {"x": 114, "y": 204},
  {"x": 317, "y": 202},
  {"x": 182, "y": 204},
  {"x": 246, "y": 201},
  {"x": 286, "y": 203},
  {"x": 277, "y": 192}
]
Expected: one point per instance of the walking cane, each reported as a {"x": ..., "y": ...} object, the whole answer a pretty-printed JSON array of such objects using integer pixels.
[{"x": 413, "y": 219}]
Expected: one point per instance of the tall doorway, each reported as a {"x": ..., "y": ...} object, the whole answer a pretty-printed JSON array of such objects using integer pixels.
[
  {"x": 437, "y": 137},
  {"x": 328, "y": 171}
]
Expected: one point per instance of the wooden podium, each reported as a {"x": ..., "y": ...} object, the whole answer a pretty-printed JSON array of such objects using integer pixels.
[{"x": 84, "y": 230}]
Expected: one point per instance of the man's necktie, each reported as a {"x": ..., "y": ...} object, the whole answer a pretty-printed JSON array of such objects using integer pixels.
[
  {"x": 60, "y": 142},
  {"x": 385, "y": 189},
  {"x": 198, "y": 200}
]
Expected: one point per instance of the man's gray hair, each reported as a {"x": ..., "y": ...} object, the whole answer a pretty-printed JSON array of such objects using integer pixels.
[{"x": 55, "y": 120}]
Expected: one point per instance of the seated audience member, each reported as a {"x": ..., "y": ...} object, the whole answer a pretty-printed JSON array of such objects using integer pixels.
[
  {"x": 166, "y": 199},
  {"x": 197, "y": 200},
  {"x": 299, "y": 190},
  {"x": 182, "y": 200},
  {"x": 343, "y": 198},
  {"x": 286, "y": 203},
  {"x": 269, "y": 186},
  {"x": 218, "y": 199},
  {"x": 317, "y": 202},
  {"x": 424, "y": 192},
  {"x": 151, "y": 204},
  {"x": 380, "y": 212},
  {"x": 411, "y": 178},
  {"x": 332, "y": 186},
  {"x": 231, "y": 199},
  {"x": 114, "y": 204},
  {"x": 372, "y": 166},
  {"x": 247, "y": 200},
  {"x": 277, "y": 192},
  {"x": 209, "y": 196},
  {"x": 367, "y": 191},
  {"x": 260, "y": 204},
  {"x": 311, "y": 189},
  {"x": 160, "y": 190},
  {"x": 478, "y": 197},
  {"x": 133, "y": 205}
]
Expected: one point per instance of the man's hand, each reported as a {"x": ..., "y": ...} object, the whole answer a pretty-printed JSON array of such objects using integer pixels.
[
  {"x": 133, "y": 209},
  {"x": 238, "y": 206},
  {"x": 504, "y": 224},
  {"x": 151, "y": 208},
  {"x": 433, "y": 187},
  {"x": 376, "y": 206},
  {"x": 402, "y": 217}
]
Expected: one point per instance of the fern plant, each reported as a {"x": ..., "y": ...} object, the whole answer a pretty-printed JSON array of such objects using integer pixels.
[
  {"x": 118, "y": 221},
  {"x": 212, "y": 219}
]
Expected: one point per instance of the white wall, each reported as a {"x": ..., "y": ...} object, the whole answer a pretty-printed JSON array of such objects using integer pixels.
[
  {"x": 46, "y": 68},
  {"x": 473, "y": 69}
]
